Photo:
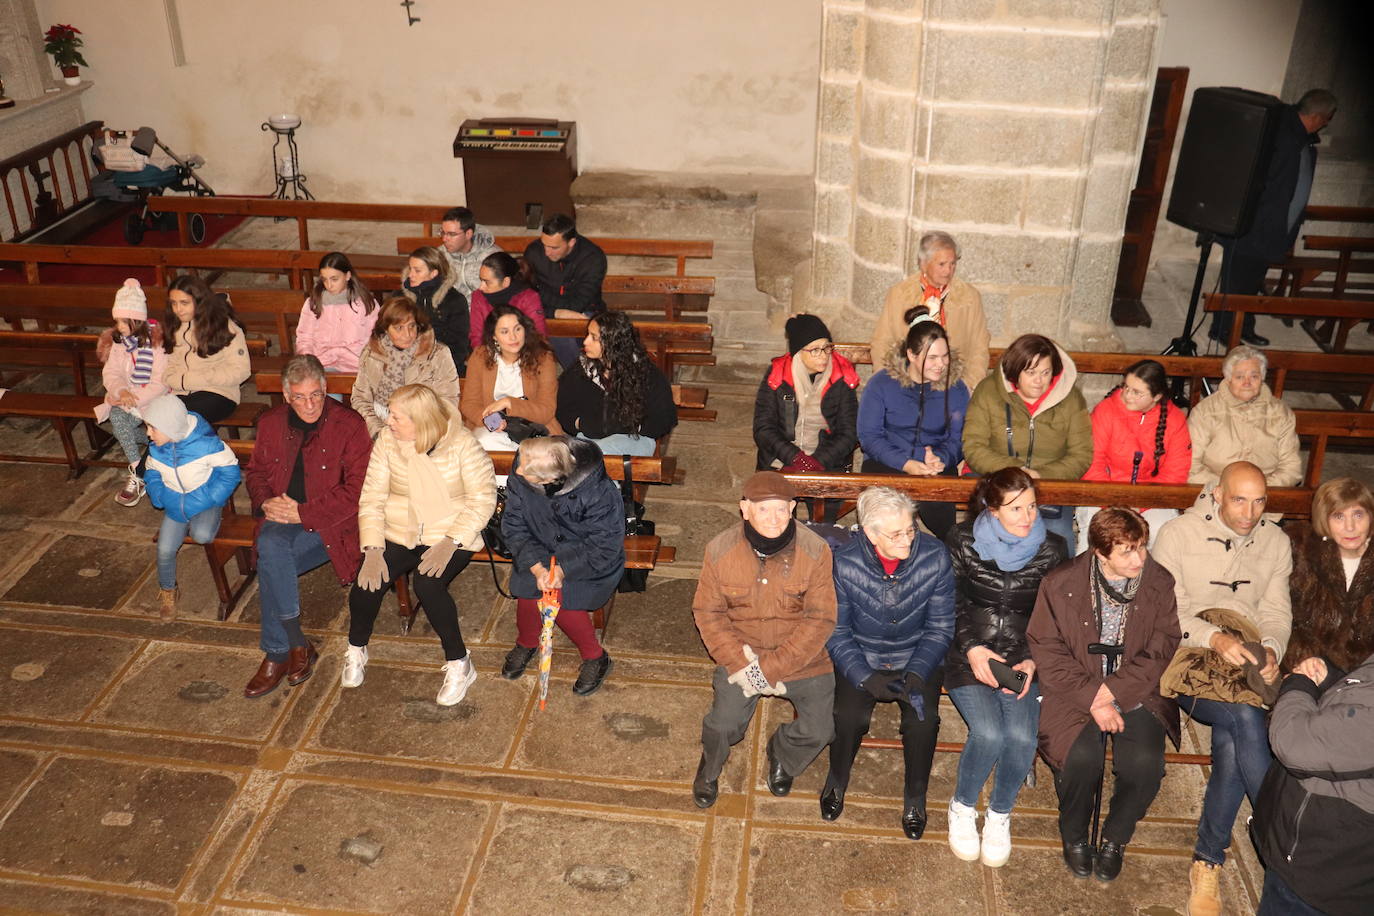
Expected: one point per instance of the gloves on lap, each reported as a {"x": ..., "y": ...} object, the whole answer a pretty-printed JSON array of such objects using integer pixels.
[
  {"x": 435, "y": 560},
  {"x": 373, "y": 575}
]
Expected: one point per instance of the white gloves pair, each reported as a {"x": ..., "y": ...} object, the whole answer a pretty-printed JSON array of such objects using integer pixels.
[{"x": 751, "y": 680}]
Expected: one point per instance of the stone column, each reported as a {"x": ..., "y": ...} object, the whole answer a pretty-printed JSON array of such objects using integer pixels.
[
  {"x": 23, "y": 66},
  {"x": 1015, "y": 125}
]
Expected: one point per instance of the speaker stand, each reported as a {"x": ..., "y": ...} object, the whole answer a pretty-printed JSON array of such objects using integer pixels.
[{"x": 1183, "y": 344}]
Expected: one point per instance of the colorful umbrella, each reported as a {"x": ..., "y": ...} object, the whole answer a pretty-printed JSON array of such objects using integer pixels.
[{"x": 549, "y": 604}]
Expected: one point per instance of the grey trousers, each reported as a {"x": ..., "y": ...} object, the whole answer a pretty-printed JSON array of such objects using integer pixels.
[{"x": 795, "y": 744}]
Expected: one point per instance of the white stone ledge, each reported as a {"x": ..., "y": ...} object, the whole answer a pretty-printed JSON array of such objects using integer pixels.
[
  {"x": 877, "y": 265},
  {"x": 1003, "y": 106},
  {"x": 934, "y": 168},
  {"x": 828, "y": 186},
  {"x": 840, "y": 79},
  {"x": 879, "y": 152},
  {"x": 869, "y": 206},
  {"x": 880, "y": 89},
  {"x": 1016, "y": 29},
  {"x": 999, "y": 229}
]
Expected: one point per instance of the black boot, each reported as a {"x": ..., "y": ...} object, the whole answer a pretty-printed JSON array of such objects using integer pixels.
[
  {"x": 704, "y": 790},
  {"x": 592, "y": 675},
  {"x": 779, "y": 783},
  {"x": 1079, "y": 858},
  {"x": 517, "y": 660}
]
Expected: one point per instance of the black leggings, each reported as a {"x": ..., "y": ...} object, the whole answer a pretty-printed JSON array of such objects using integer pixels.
[
  {"x": 1138, "y": 768},
  {"x": 213, "y": 407},
  {"x": 431, "y": 592},
  {"x": 853, "y": 713},
  {"x": 938, "y": 517}
]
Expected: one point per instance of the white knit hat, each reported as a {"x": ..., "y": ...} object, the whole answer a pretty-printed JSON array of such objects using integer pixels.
[
  {"x": 130, "y": 302},
  {"x": 168, "y": 415}
]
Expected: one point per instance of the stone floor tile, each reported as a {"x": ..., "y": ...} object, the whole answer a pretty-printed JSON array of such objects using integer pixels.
[
  {"x": 542, "y": 861},
  {"x": 193, "y": 690},
  {"x": 656, "y": 621},
  {"x": 363, "y": 849},
  {"x": 35, "y": 898},
  {"x": 861, "y": 874},
  {"x": 56, "y": 675},
  {"x": 113, "y": 822},
  {"x": 636, "y": 731},
  {"x": 105, "y": 741},
  {"x": 393, "y": 714},
  {"x": 197, "y": 598},
  {"x": 15, "y": 767},
  {"x": 82, "y": 572},
  {"x": 690, "y": 526},
  {"x": 324, "y": 602}
]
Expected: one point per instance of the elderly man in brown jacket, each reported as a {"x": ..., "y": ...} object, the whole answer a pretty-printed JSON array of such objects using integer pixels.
[{"x": 765, "y": 606}]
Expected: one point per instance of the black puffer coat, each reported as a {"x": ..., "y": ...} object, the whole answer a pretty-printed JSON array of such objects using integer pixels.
[
  {"x": 775, "y": 416},
  {"x": 992, "y": 607}
]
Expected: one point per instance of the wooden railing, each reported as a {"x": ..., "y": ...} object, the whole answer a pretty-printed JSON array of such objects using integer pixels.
[
  {"x": 302, "y": 211},
  {"x": 35, "y": 194}
]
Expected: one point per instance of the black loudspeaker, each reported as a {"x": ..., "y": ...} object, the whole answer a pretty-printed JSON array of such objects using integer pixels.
[{"x": 1222, "y": 164}]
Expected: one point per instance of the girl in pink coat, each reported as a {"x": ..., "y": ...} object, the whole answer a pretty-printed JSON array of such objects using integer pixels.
[
  {"x": 337, "y": 320},
  {"x": 133, "y": 365}
]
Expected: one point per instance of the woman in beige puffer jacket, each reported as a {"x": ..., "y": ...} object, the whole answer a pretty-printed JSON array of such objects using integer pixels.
[
  {"x": 1243, "y": 421},
  {"x": 429, "y": 491}
]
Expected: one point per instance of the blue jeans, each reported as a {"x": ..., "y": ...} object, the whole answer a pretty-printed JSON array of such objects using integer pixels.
[
  {"x": 1240, "y": 758},
  {"x": 202, "y": 527},
  {"x": 1277, "y": 898},
  {"x": 624, "y": 444},
  {"x": 285, "y": 553},
  {"x": 1061, "y": 525},
  {"x": 1001, "y": 733}
]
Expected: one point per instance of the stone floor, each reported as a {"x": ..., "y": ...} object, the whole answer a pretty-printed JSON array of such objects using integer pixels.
[{"x": 135, "y": 778}]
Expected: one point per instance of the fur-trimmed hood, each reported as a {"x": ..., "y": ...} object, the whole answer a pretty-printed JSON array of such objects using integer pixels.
[
  {"x": 106, "y": 341},
  {"x": 896, "y": 365},
  {"x": 1062, "y": 386}
]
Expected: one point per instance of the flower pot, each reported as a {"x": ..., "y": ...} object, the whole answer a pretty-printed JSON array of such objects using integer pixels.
[{"x": 71, "y": 76}]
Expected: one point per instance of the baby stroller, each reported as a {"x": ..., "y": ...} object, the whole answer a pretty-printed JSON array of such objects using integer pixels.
[{"x": 139, "y": 165}]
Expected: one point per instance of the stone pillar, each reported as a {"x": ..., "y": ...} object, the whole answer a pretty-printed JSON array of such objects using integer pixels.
[
  {"x": 23, "y": 66},
  {"x": 1015, "y": 125}
]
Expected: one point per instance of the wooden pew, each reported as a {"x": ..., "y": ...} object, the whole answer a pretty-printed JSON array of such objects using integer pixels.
[
  {"x": 302, "y": 211},
  {"x": 1347, "y": 312},
  {"x": 235, "y": 538},
  {"x": 677, "y": 249},
  {"x": 1298, "y": 272},
  {"x": 1324, "y": 372}
]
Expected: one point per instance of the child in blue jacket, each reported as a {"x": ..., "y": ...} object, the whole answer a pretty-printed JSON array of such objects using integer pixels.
[{"x": 191, "y": 474}]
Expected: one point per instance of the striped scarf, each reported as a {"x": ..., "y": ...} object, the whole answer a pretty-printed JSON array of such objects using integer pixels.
[{"x": 143, "y": 362}]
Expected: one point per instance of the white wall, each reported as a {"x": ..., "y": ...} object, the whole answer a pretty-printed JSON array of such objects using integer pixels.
[
  {"x": 1241, "y": 43},
  {"x": 711, "y": 86}
]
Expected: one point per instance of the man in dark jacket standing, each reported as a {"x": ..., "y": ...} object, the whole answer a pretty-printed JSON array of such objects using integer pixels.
[
  {"x": 304, "y": 479},
  {"x": 1115, "y": 595},
  {"x": 894, "y": 591},
  {"x": 1278, "y": 216},
  {"x": 568, "y": 271},
  {"x": 1314, "y": 821},
  {"x": 765, "y": 605}
]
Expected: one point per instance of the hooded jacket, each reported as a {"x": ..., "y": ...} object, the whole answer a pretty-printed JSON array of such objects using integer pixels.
[
  {"x": 432, "y": 366},
  {"x": 899, "y": 419},
  {"x": 1057, "y": 442},
  {"x": 573, "y": 283},
  {"x": 1120, "y": 434},
  {"x": 775, "y": 416},
  {"x": 467, "y": 265},
  {"x": 384, "y": 506},
  {"x": 1262, "y": 431},
  {"x": 1314, "y": 818},
  {"x": 1062, "y": 627},
  {"x": 1213, "y": 567},
  {"x": 963, "y": 320},
  {"x": 337, "y": 337},
  {"x": 197, "y": 473},
  {"x": 900, "y": 622},
  {"x": 782, "y": 606},
  {"x": 992, "y": 606},
  {"x": 335, "y": 462},
  {"x": 447, "y": 310},
  {"x": 222, "y": 372},
  {"x": 580, "y": 522},
  {"x": 1329, "y": 619},
  {"x": 118, "y": 368}
]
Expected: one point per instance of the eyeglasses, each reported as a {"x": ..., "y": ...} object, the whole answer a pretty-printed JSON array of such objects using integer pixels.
[
  {"x": 450, "y": 235},
  {"x": 898, "y": 537},
  {"x": 819, "y": 351},
  {"x": 315, "y": 398}
]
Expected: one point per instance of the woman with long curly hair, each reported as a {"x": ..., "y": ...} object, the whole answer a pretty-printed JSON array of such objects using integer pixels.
[
  {"x": 615, "y": 396},
  {"x": 511, "y": 390},
  {"x": 207, "y": 355}
]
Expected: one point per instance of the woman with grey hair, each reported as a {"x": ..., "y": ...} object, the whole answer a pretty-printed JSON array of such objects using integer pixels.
[
  {"x": 953, "y": 303},
  {"x": 1243, "y": 421},
  {"x": 894, "y": 590}
]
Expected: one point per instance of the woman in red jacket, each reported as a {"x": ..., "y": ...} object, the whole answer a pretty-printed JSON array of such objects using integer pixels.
[{"x": 1139, "y": 436}]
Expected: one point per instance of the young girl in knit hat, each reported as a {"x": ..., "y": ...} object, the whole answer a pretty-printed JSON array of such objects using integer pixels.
[
  {"x": 191, "y": 474},
  {"x": 134, "y": 363}
]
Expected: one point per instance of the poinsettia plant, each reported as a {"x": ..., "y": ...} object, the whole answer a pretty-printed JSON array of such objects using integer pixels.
[{"x": 63, "y": 42}]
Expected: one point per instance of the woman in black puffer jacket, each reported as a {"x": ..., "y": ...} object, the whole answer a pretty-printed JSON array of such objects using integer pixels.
[{"x": 999, "y": 554}]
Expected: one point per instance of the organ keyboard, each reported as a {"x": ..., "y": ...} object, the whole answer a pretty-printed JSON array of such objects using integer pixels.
[{"x": 517, "y": 170}]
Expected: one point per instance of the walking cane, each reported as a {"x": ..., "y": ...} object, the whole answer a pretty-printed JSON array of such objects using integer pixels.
[{"x": 1112, "y": 654}]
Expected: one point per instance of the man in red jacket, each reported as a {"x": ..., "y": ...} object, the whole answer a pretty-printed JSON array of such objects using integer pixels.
[{"x": 305, "y": 476}]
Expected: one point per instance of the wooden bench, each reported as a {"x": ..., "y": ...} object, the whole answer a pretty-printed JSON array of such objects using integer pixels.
[
  {"x": 1330, "y": 373},
  {"x": 235, "y": 538},
  {"x": 1345, "y": 312},
  {"x": 64, "y": 411},
  {"x": 1299, "y": 272},
  {"x": 679, "y": 250}
]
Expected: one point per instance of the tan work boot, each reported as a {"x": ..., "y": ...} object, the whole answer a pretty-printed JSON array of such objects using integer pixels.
[
  {"x": 1204, "y": 884},
  {"x": 167, "y": 603}
]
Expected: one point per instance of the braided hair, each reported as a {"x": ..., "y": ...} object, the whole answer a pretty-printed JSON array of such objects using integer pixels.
[{"x": 1156, "y": 379}]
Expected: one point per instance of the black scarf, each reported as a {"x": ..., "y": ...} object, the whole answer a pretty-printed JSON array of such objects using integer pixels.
[
  {"x": 427, "y": 288},
  {"x": 504, "y": 296},
  {"x": 295, "y": 488},
  {"x": 769, "y": 546}
]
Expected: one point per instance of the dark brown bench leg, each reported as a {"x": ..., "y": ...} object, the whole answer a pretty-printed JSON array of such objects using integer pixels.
[
  {"x": 601, "y": 617},
  {"x": 64, "y": 433},
  {"x": 218, "y": 555},
  {"x": 405, "y": 607}
]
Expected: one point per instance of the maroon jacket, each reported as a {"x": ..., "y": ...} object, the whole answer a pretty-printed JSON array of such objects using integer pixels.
[
  {"x": 1061, "y": 628},
  {"x": 336, "y": 456}
]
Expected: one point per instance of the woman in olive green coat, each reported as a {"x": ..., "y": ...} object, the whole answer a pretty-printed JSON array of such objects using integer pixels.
[{"x": 1029, "y": 415}]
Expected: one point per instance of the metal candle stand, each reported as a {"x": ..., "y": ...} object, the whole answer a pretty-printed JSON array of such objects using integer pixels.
[{"x": 292, "y": 165}]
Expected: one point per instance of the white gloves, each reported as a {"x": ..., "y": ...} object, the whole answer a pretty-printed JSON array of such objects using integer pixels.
[{"x": 751, "y": 680}]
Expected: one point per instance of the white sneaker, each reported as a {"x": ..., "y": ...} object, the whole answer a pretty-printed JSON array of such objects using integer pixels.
[
  {"x": 355, "y": 661},
  {"x": 996, "y": 839},
  {"x": 963, "y": 831},
  {"x": 458, "y": 677}
]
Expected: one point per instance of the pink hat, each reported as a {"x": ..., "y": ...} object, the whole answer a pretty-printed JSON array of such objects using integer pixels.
[{"x": 130, "y": 302}]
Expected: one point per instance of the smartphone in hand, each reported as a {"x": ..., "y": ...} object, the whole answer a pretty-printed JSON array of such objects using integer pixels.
[
  {"x": 1007, "y": 676},
  {"x": 492, "y": 421}
]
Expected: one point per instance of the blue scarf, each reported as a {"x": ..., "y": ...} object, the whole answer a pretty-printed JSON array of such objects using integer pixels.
[{"x": 993, "y": 542}]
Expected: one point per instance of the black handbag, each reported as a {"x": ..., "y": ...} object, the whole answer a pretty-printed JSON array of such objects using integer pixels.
[
  {"x": 519, "y": 429},
  {"x": 633, "y": 580},
  {"x": 495, "y": 539}
]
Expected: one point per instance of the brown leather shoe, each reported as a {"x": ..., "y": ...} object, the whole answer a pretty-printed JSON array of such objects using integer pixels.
[
  {"x": 300, "y": 664},
  {"x": 269, "y": 675}
]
